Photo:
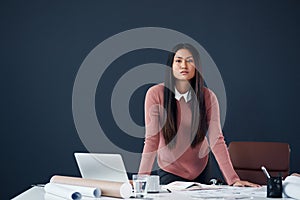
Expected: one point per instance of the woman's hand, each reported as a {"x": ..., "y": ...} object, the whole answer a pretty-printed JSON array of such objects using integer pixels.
[{"x": 241, "y": 183}]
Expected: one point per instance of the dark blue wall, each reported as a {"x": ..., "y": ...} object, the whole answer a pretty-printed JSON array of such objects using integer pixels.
[{"x": 255, "y": 45}]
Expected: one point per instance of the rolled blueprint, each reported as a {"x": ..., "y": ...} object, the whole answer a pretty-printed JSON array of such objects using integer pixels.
[
  {"x": 63, "y": 192},
  {"x": 84, "y": 191},
  {"x": 108, "y": 188},
  {"x": 291, "y": 186}
]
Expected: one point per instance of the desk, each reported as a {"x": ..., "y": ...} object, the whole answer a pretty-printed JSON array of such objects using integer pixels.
[{"x": 38, "y": 193}]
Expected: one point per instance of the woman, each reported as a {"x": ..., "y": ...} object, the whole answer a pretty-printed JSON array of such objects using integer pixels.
[{"x": 178, "y": 116}]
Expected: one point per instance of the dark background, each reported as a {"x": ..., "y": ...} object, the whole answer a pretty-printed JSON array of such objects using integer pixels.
[{"x": 255, "y": 45}]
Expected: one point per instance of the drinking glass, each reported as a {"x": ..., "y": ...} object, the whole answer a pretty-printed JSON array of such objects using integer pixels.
[{"x": 140, "y": 184}]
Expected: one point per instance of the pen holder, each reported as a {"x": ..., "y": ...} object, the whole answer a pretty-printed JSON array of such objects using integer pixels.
[{"x": 274, "y": 187}]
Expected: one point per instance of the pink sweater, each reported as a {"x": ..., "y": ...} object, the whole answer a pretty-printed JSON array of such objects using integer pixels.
[{"x": 182, "y": 160}]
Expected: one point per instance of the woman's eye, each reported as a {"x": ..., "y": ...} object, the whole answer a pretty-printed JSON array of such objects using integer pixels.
[
  {"x": 190, "y": 61},
  {"x": 178, "y": 61}
]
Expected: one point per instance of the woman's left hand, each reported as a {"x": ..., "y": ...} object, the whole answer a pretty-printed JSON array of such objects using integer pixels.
[{"x": 241, "y": 183}]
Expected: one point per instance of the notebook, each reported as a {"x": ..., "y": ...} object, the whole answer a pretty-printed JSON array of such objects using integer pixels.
[{"x": 106, "y": 167}]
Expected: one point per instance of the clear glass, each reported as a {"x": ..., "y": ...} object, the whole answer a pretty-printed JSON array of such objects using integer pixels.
[{"x": 140, "y": 184}]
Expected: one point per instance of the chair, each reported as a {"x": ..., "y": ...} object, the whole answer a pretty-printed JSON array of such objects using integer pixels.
[{"x": 248, "y": 157}]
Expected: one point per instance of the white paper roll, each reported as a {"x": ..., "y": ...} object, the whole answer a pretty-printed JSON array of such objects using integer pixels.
[
  {"x": 292, "y": 179},
  {"x": 291, "y": 186},
  {"x": 85, "y": 191},
  {"x": 63, "y": 192},
  {"x": 292, "y": 190},
  {"x": 125, "y": 190}
]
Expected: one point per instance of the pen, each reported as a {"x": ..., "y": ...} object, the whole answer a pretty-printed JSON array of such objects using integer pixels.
[{"x": 265, "y": 171}]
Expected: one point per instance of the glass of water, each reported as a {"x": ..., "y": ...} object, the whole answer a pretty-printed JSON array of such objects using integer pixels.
[{"x": 140, "y": 185}]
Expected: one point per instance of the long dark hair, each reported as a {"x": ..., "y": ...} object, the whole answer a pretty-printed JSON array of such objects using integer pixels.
[{"x": 199, "y": 118}]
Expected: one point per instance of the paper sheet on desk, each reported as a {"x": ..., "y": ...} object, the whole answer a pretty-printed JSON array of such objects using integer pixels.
[
  {"x": 187, "y": 186},
  {"x": 228, "y": 192}
]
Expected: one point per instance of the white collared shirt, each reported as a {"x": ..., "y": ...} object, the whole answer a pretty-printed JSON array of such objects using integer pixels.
[{"x": 187, "y": 96}]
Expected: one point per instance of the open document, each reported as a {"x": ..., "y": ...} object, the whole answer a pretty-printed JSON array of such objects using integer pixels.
[{"x": 185, "y": 185}]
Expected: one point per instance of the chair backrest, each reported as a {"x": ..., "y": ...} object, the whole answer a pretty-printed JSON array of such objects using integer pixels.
[{"x": 248, "y": 157}]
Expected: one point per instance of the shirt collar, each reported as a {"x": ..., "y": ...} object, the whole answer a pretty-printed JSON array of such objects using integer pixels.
[{"x": 187, "y": 96}]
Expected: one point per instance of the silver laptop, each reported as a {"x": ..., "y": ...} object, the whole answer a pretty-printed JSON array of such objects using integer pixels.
[{"x": 107, "y": 167}]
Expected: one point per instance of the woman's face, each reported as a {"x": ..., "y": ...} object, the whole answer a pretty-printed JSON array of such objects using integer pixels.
[{"x": 183, "y": 65}]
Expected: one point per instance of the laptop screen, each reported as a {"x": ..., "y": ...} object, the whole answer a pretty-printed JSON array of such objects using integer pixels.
[{"x": 107, "y": 167}]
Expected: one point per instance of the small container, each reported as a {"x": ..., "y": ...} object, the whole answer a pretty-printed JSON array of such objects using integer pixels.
[
  {"x": 153, "y": 184},
  {"x": 274, "y": 187}
]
